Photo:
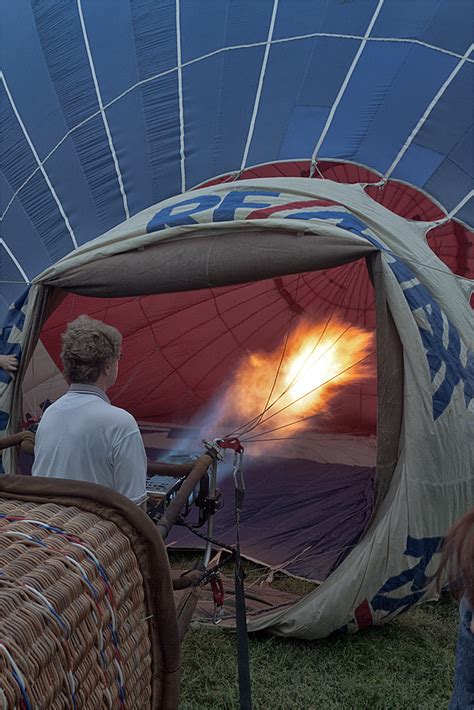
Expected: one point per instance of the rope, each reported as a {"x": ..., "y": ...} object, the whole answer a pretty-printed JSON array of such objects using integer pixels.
[
  {"x": 212, "y": 540},
  {"x": 306, "y": 395},
  {"x": 244, "y": 429},
  {"x": 288, "y": 387}
]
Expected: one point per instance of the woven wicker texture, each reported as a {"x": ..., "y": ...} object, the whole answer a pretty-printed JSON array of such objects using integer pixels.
[{"x": 74, "y": 631}]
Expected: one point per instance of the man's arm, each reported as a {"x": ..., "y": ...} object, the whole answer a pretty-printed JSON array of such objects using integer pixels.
[{"x": 24, "y": 439}]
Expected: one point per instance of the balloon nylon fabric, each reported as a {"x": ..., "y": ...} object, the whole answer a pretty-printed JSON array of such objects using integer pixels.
[{"x": 432, "y": 475}]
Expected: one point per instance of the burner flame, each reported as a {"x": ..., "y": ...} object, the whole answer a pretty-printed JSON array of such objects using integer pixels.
[{"x": 299, "y": 379}]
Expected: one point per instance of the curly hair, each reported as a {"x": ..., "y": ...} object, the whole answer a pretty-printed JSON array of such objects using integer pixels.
[
  {"x": 457, "y": 558},
  {"x": 89, "y": 346}
]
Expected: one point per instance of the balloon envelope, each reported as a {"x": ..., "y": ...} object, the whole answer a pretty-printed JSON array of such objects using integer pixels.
[{"x": 112, "y": 107}]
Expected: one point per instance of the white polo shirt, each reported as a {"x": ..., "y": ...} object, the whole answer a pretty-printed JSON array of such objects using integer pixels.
[{"x": 83, "y": 437}]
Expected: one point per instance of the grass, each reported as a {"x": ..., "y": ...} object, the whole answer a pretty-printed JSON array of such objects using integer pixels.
[{"x": 404, "y": 665}]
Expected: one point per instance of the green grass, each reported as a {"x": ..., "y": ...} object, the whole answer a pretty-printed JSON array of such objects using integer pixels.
[{"x": 404, "y": 665}]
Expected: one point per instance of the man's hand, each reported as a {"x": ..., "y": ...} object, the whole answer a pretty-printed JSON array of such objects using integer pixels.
[
  {"x": 9, "y": 363},
  {"x": 186, "y": 580},
  {"x": 27, "y": 442}
]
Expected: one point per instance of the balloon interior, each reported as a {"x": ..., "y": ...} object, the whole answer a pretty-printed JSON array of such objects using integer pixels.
[{"x": 303, "y": 386}]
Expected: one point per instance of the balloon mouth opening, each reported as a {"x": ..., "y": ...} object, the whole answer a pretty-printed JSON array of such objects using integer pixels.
[{"x": 296, "y": 383}]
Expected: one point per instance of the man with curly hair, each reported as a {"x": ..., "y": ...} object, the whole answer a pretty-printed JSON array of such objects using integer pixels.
[{"x": 82, "y": 436}]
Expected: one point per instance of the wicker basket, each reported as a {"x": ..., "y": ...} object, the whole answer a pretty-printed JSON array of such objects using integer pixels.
[{"x": 87, "y": 614}]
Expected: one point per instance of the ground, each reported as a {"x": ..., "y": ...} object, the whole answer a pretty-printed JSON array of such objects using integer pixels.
[{"x": 404, "y": 665}]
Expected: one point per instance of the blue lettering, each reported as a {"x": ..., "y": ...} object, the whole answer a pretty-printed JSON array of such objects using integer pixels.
[
  {"x": 345, "y": 221},
  {"x": 418, "y": 297},
  {"x": 167, "y": 217},
  {"x": 235, "y": 199},
  {"x": 422, "y": 548}
]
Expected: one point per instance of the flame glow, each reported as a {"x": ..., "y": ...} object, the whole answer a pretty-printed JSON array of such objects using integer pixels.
[{"x": 299, "y": 379}]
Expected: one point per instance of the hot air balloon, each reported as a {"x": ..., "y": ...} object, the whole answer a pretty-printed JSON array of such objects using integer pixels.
[{"x": 273, "y": 202}]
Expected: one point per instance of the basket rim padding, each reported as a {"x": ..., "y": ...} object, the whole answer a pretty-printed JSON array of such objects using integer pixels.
[{"x": 152, "y": 560}]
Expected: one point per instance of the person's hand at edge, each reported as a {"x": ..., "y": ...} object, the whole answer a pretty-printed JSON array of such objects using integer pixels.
[{"x": 9, "y": 363}]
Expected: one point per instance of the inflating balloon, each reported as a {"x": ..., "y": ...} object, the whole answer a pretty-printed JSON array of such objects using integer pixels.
[{"x": 273, "y": 202}]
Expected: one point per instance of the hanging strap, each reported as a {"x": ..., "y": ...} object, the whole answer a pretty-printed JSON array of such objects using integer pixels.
[{"x": 243, "y": 665}]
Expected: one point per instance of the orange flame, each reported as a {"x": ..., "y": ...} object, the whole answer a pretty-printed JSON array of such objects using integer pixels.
[{"x": 297, "y": 380}]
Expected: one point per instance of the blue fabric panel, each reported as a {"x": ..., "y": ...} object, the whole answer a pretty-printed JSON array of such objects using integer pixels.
[
  {"x": 6, "y": 192},
  {"x": 284, "y": 128},
  {"x": 37, "y": 104},
  {"x": 21, "y": 237},
  {"x": 68, "y": 177},
  {"x": 463, "y": 153},
  {"x": 247, "y": 21},
  {"x": 16, "y": 159},
  {"x": 10, "y": 280},
  {"x": 31, "y": 88},
  {"x": 452, "y": 116},
  {"x": 326, "y": 521},
  {"x": 403, "y": 84},
  {"x": 13, "y": 318},
  {"x": 418, "y": 165},
  {"x": 321, "y": 86},
  {"x": 38, "y": 203},
  {"x": 112, "y": 47},
  {"x": 218, "y": 108},
  {"x": 451, "y": 26},
  {"x": 211, "y": 18},
  {"x": 93, "y": 149},
  {"x": 435, "y": 23},
  {"x": 65, "y": 52},
  {"x": 18, "y": 163},
  {"x": 404, "y": 19},
  {"x": 201, "y": 82},
  {"x": 154, "y": 29},
  {"x": 300, "y": 17},
  {"x": 222, "y": 23},
  {"x": 61, "y": 39},
  {"x": 420, "y": 158},
  {"x": 388, "y": 92},
  {"x": 450, "y": 184},
  {"x": 277, "y": 107},
  {"x": 466, "y": 213},
  {"x": 161, "y": 111},
  {"x": 237, "y": 100},
  {"x": 127, "y": 126},
  {"x": 306, "y": 123}
]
